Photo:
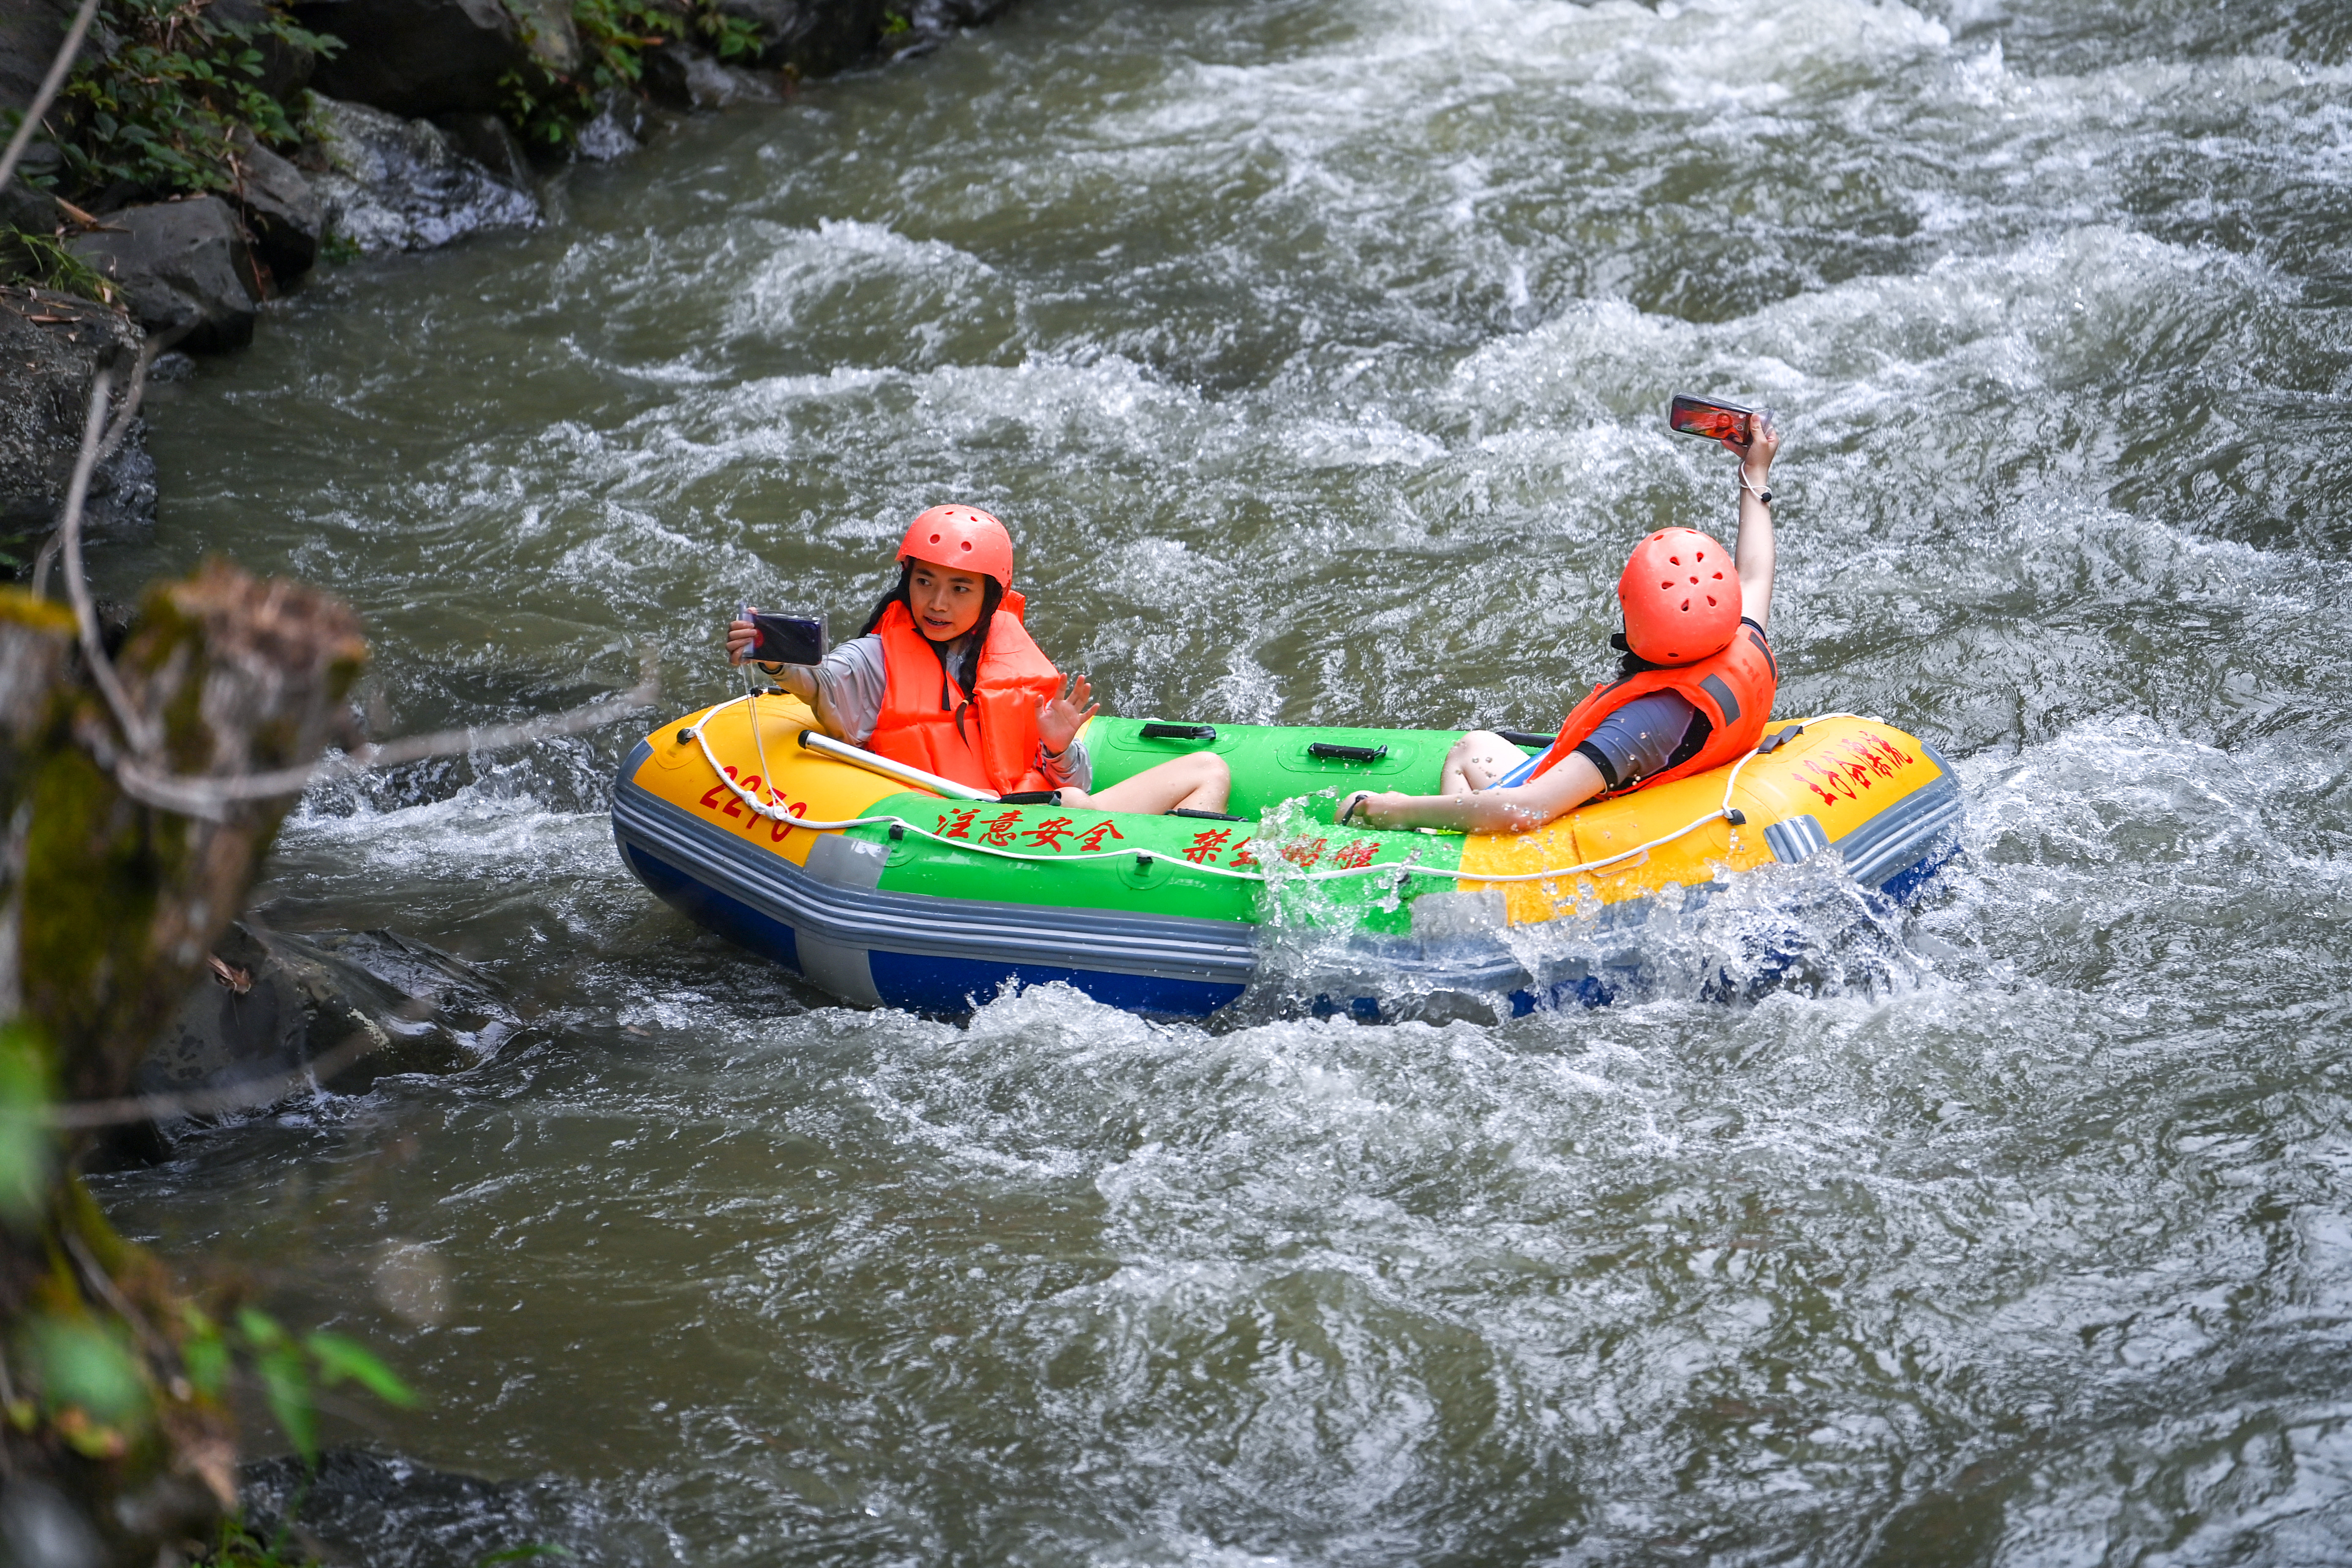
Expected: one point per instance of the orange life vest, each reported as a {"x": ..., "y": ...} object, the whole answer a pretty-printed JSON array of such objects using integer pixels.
[
  {"x": 1733, "y": 687},
  {"x": 987, "y": 740}
]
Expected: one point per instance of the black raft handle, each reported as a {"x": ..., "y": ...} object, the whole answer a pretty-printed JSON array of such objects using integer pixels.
[
  {"x": 1180, "y": 732},
  {"x": 1527, "y": 737},
  {"x": 1333, "y": 751}
]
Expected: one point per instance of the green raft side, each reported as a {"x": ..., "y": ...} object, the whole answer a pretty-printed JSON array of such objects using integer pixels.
[
  {"x": 1173, "y": 883},
  {"x": 1272, "y": 763}
]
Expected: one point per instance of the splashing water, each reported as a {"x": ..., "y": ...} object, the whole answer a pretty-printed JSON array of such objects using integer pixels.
[{"x": 1318, "y": 352}]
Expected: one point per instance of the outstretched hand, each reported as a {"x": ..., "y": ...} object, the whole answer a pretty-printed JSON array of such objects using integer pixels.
[
  {"x": 1060, "y": 720},
  {"x": 1755, "y": 455}
]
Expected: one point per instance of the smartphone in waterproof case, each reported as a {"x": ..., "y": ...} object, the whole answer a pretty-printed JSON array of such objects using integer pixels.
[
  {"x": 1710, "y": 418},
  {"x": 786, "y": 639}
]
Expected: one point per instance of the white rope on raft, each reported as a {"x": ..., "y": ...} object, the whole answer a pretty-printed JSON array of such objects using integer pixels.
[{"x": 778, "y": 814}]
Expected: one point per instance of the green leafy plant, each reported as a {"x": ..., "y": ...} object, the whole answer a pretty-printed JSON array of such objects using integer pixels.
[
  {"x": 39, "y": 259},
  {"x": 893, "y": 23},
  {"x": 238, "y": 1546},
  {"x": 291, "y": 1370},
  {"x": 548, "y": 109},
  {"x": 731, "y": 38},
  {"x": 170, "y": 89}
]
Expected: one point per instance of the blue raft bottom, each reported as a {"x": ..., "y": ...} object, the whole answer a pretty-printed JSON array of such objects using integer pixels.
[
  {"x": 953, "y": 987},
  {"x": 945, "y": 987}
]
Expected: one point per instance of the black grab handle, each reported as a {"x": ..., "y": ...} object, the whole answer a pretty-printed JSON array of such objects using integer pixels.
[
  {"x": 1339, "y": 753},
  {"x": 1180, "y": 732},
  {"x": 1527, "y": 737}
]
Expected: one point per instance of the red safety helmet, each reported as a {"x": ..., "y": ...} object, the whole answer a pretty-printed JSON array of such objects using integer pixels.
[
  {"x": 1681, "y": 597},
  {"x": 962, "y": 539}
]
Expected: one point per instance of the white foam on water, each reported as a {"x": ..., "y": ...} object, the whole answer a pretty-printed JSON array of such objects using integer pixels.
[{"x": 1317, "y": 356}]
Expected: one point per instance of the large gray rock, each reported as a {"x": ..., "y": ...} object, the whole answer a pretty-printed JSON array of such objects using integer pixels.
[
  {"x": 30, "y": 33},
  {"x": 678, "y": 76},
  {"x": 488, "y": 141},
  {"x": 389, "y": 184},
  {"x": 282, "y": 213},
  {"x": 182, "y": 268},
  {"x": 21, "y": 206},
  {"x": 417, "y": 57},
  {"x": 548, "y": 33},
  {"x": 51, "y": 346}
]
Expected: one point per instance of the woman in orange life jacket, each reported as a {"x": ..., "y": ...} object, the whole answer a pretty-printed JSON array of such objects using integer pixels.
[
  {"x": 946, "y": 679},
  {"x": 1693, "y": 693}
]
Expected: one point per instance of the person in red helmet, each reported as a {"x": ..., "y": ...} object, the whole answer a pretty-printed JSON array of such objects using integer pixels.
[
  {"x": 1693, "y": 691},
  {"x": 946, "y": 678}
]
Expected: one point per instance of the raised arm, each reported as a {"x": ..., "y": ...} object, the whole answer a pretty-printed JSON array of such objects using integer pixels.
[
  {"x": 799, "y": 679},
  {"x": 1753, "y": 552}
]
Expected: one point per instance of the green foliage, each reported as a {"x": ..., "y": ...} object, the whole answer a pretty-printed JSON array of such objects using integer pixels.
[
  {"x": 730, "y": 38},
  {"x": 292, "y": 1370},
  {"x": 161, "y": 103},
  {"x": 614, "y": 35},
  {"x": 238, "y": 1546},
  {"x": 27, "y": 1148},
  {"x": 87, "y": 1366},
  {"x": 522, "y": 1555},
  {"x": 41, "y": 260},
  {"x": 894, "y": 23}
]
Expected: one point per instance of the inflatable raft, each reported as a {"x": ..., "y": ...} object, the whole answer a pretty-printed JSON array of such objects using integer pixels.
[{"x": 882, "y": 892}]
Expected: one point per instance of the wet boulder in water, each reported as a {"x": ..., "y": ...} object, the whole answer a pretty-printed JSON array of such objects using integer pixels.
[
  {"x": 679, "y": 77},
  {"x": 353, "y": 1004},
  {"x": 383, "y": 1510},
  {"x": 389, "y": 184},
  {"x": 617, "y": 129},
  {"x": 182, "y": 267},
  {"x": 930, "y": 22},
  {"x": 489, "y": 142},
  {"x": 51, "y": 346}
]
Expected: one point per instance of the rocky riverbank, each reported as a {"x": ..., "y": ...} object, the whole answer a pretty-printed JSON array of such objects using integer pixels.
[{"x": 408, "y": 141}]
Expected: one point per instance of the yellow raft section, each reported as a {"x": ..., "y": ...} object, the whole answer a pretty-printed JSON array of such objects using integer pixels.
[
  {"x": 1843, "y": 771},
  {"x": 803, "y": 783}
]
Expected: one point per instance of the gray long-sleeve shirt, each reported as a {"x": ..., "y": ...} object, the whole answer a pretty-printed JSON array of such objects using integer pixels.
[{"x": 853, "y": 678}]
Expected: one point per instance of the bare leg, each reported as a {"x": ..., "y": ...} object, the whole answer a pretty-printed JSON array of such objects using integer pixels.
[
  {"x": 1199, "y": 781},
  {"x": 1476, "y": 762},
  {"x": 1518, "y": 809}
]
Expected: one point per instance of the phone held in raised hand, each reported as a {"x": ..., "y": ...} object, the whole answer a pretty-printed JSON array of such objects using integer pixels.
[
  {"x": 786, "y": 639},
  {"x": 1710, "y": 418}
]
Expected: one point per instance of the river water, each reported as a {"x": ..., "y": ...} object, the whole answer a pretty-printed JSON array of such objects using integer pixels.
[{"x": 1316, "y": 352}]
